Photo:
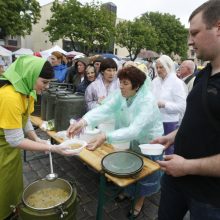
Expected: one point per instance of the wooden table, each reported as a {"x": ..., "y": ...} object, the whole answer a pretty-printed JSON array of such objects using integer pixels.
[{"x": 93, "y": 159}]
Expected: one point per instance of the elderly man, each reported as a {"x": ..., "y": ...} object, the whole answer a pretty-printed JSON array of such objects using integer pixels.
[{"x": 186, "y": 71}]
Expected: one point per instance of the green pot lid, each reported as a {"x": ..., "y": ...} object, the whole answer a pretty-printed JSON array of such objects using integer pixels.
[{"x": 122, "y": 163}]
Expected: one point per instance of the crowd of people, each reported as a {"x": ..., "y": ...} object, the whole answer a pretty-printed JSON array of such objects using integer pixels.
[{"x": 174, "y": 107}]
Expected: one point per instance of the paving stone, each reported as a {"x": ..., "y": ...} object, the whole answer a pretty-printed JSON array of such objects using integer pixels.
[
  {"x": 150, "y": 209},
  {"x": 31, "y": 176},
  {"x": 110, "y": 206},
  {"x": 83, "y": 179},
  {"x": 81, "y": 213},
  {"x": 126, "y": 203},
  {"x": 90, "y": 187},
  {"x": 155, "y": 198},
  {"x": 36, "y": 166},
  {"x": 42, "y": 173},
  {"x": 91, "y": 208},
  {"x": 65, "y": 167},
  {"x": 119, "y": 214},
  {"x": 83, "y": 197},
  {"x": 94, "y": 195},
  {"x": 26, "y": 167},
  {"x": 26, "y": 181}
]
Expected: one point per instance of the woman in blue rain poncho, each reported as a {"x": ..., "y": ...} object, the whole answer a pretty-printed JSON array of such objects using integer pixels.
[{"x": 137, "y": 120}]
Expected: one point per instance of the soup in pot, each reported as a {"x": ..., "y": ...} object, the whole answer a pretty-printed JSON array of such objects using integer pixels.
[{"x": 47, "y": 197}]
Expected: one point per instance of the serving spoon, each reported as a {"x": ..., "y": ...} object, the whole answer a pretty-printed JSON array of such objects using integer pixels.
[{"x": 51, "y": 176}]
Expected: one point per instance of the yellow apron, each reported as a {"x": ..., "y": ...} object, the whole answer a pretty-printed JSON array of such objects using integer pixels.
[{"x": 11, "y": 173}]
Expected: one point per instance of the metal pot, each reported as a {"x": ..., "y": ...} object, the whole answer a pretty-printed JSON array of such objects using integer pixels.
[
  {"x": 65, "y": 210},
  {"x": 68, "y": 106},
  {"x": 51, "y": 102},
  {"x": 50, "y": 94}
]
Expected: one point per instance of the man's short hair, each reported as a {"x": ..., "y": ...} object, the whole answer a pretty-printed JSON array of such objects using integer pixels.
[{"x": 210, "y": 12}]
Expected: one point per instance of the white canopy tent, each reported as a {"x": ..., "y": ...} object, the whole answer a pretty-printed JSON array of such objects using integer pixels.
[
  {"x": 4, "y": 52},
  {"x": 23, "y": 51},
  {"x": 5, "y": 56},
  {"x": 46, "y": 53},
  {"x": 74, "y": 53}
]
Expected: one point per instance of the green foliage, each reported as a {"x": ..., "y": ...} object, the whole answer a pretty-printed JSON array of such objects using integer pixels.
[
  {"x": 89, "y": 25},
  {"x": 136, "y": 36},
  {"x": 17, "y": 16},
  {"x": 172, "y": 34}
]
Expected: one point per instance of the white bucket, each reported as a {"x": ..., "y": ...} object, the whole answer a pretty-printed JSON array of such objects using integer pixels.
[
  {"x": 121, "y": 146},
  {"x": 88, "y": 134},
  {"x": 107, "y": 126}
]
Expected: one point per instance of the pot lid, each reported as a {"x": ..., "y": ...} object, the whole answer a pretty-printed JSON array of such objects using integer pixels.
[{"x": 122, "y": 163}]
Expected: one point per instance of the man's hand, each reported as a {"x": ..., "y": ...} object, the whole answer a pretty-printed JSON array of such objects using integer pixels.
[
  {"x": 173, "y": 165},
  {"x": 165, "y": 140}
]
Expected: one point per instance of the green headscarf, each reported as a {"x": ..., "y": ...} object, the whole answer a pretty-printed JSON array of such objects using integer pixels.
[{"x": 23, "y": 74}]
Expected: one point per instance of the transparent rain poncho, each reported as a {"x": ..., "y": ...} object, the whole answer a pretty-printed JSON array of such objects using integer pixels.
[{"x": 137, "y": 119}]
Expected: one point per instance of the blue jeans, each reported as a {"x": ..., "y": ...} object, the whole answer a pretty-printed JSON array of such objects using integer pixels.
[
  {"x": 174, "y": 203},
  {"x": 148, "y": 185}
]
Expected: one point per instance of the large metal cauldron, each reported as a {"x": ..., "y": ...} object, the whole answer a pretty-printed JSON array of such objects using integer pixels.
[
  {"x": 43, "y": 106},
  {"x": 51, "y": 102},
  {"x": 66, "y": 210},
  {"x": 68, "y": 106},
  {"x": 43, "y": 109},
  {"x": 48, "y": 98},
  {"x": 37, "y": 106}
]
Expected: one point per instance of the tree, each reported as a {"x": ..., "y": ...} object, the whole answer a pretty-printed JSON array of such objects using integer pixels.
[
  {"x": 89, "y": 25},
  {"x": 136, "y": 36},
  {"x": 17, "y": 16},
  {"x": 172, "y": 34}
]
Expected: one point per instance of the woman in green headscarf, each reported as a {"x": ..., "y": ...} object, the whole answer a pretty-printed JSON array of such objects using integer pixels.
[{"x": 27, "y": 76}]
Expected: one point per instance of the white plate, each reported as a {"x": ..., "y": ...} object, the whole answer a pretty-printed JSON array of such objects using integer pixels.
[
  {"x": 75, "y": 141},
  {"x": 152, "y": 149}
]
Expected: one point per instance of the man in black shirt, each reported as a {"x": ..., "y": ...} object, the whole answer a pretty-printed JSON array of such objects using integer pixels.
[{"x": 192, "y": 174}]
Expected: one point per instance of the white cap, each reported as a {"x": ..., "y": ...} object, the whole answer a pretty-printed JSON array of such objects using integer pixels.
[{"x": 78, "y": 56}]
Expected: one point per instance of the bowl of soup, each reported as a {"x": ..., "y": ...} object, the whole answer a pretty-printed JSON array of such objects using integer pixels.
[{"x": 75, "y": 145}]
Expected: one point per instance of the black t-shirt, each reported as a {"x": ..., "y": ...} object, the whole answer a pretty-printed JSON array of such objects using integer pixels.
[{"x": 197, "y": 137}]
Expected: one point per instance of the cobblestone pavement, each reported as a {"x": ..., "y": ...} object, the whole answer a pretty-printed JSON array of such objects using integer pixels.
[{"x": 87, "y": 182}]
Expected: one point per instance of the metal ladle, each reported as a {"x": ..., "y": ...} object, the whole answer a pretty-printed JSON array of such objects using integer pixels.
[{"x": 51, "y": 176}]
